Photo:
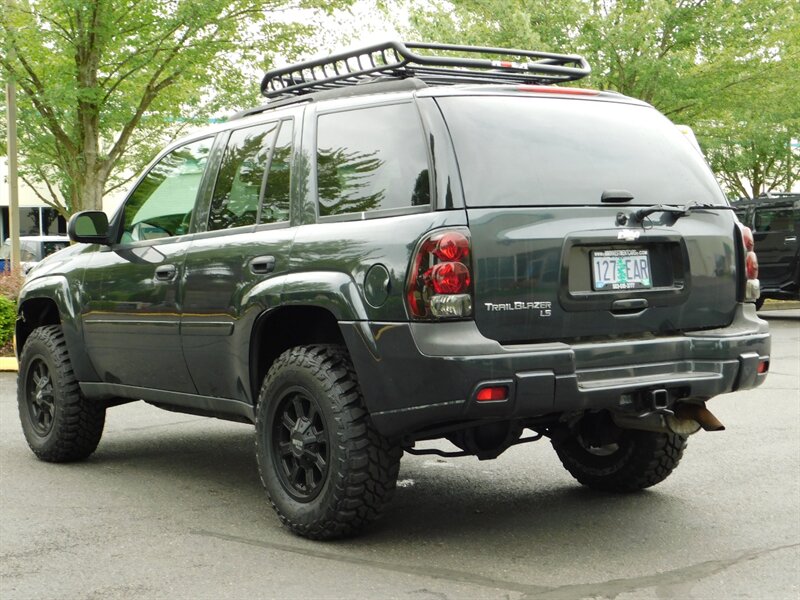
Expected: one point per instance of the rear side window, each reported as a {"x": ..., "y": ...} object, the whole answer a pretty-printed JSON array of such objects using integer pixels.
[
  {"x": 275, "y": 207},
  {"x": 371, "y": 159},
  {"x": 775, "y": 219},
  {"x": 519, "y": 151},
  {"x": 241, "y": 176}
]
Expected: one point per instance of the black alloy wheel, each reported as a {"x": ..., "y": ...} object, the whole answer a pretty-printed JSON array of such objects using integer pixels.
[
  {"x": 300, "y": 445},
  {"x": 40, "y": 396}
]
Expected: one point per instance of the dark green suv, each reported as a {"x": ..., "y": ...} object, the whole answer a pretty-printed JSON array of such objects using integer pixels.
[{"x": 408, "y": 242}]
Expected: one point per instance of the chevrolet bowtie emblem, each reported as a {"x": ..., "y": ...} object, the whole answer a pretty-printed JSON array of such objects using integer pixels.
[{"x": 628, "y": 235}]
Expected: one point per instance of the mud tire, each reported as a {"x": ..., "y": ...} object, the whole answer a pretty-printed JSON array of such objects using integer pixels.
[
  {"x": 59, "y": 424},
  {"x": 640, "y": 460},
  {"x": 318, "y": 384}
]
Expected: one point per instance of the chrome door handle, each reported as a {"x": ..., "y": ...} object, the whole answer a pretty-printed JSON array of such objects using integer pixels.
[
  {"x": 261, "y": 265},
  {"x": 166, "y": 272}
]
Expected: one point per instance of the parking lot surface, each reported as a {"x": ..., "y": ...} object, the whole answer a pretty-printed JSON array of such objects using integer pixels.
[{"x": 170, "y": 506}]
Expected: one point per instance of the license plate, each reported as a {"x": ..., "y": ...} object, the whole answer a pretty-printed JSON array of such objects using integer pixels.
[{"x": 620, "y": 270}]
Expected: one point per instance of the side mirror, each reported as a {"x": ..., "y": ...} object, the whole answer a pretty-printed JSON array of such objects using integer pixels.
[{"x": 89, "y": 227}]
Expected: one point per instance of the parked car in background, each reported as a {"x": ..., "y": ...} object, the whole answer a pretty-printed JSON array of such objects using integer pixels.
[
  {"x": 775, "y": 221},
  {"x": 32, "y": 249}
]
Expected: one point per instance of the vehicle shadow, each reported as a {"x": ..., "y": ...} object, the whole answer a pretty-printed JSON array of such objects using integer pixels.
[{"x": 466, "y": 505}]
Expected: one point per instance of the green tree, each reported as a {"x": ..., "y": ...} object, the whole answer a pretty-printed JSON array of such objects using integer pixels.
[
  {"x": 728, "y": 68},
  {"x": 102, "y": 82}
]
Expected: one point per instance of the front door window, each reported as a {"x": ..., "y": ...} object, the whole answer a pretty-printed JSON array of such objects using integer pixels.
[{"x": 163, "y": 202}]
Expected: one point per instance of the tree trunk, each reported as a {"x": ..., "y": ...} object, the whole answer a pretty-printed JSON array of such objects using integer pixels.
[{"x": 87, "y": 193}]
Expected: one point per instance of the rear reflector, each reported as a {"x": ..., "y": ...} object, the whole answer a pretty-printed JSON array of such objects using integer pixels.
[
  {"x": 763, "y": 366},
  {"x": 493, "y": 394}
]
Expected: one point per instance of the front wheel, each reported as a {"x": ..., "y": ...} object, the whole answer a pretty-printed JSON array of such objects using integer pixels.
[
  {"x": 59, "y": 424},
  {"x": 325, "y": 468},
  {"x": 636, "y": 460}
]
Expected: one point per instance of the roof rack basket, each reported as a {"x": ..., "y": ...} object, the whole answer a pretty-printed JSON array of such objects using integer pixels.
[{"x": 396, "y": 59}]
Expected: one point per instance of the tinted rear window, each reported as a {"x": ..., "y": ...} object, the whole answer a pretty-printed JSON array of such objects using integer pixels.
[{"x": 517, "y": 151}]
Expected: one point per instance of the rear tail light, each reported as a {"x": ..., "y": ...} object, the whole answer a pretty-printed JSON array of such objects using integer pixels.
[
  {"x": 752, "y": 288},
  {"x": 440, "y": 280}
]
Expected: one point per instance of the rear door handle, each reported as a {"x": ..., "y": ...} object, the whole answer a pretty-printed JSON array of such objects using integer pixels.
[
  {"x": 261, "y": 265},
  {"x": 166, "y": 272}
]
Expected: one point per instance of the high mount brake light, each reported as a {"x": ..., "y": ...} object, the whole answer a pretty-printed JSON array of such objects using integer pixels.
[
  {"x": 544, "y": 89},
  {"x": 439, "y": 283},
  {"x": 752, "y": 288}
]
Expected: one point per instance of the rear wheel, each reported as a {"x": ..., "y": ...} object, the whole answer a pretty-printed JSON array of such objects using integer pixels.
[
  {"x": 326, "y": 470},
  {"x": 59, "y": 424},
  {"x": 634, "y": 461}
]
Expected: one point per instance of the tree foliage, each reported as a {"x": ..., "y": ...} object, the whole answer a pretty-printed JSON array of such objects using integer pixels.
[
  {"x": 102, "y": 82},
  {"x": 728, "y": 68}
]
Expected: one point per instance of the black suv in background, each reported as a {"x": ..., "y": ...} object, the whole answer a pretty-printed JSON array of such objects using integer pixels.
[
  {"x": 408, "y": 242},
  {"x": 775, "y": 221}
]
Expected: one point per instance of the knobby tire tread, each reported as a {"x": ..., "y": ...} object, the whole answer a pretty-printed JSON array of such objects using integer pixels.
[
  {"x": 370, "y": 463},
  {"x": 79, "y": 426},
  {"x": 648, "y": 458}
]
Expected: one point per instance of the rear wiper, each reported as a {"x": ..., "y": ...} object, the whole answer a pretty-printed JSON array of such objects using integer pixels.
[{"x": 677, "y": 211}]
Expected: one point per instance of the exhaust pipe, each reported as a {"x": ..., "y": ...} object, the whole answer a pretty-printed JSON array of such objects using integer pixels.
[
  {"x": 685, "y": 419},
  {"x": 700, "y": 414}
]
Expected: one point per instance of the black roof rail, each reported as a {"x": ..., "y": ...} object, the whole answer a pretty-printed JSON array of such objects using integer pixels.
[{"x": 397, "y": 59}]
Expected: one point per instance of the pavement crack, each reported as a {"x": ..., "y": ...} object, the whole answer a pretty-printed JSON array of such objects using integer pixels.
[
  {"x": 451, "y": 575},
  {"x": 668, "y": 584}
]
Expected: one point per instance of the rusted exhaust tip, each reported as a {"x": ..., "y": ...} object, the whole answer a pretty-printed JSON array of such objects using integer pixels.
[{"x": 699, "y": 413}]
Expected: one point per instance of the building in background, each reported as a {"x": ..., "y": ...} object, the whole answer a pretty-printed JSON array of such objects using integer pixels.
[{"x": 35, "y": 217}]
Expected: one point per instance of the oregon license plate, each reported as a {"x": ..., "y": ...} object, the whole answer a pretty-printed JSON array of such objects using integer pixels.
[{"x": 621, "y": 270}]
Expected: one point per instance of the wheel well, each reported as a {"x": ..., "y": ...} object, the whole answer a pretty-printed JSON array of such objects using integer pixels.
[
  {"x": 35, "y": 313},
  {"x": 278, "y": 330}
]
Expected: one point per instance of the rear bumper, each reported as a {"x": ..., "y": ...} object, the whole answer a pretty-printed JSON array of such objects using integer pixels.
[{"x": 418, "y": 375}]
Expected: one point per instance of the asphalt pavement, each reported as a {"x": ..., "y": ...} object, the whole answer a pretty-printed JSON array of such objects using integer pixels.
[{"x": 170, "y": 506}]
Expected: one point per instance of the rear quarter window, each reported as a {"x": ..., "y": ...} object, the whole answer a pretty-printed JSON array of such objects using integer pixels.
[{"x": 371, "y": 159}]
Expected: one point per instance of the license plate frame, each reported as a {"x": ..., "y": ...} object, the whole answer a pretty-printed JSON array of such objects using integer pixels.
[{"x": 616, "y": 270}]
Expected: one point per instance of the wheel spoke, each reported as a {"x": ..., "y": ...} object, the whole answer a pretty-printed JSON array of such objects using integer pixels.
[
  {"x": 309, "y": 478},
  {"x": 285, "y": 448},
  {"x": 287, "y": 422},
  {"x": 298, "y": 407},
  {"x": 320, "y": 463},
  {"x": 293, "y": 472}
]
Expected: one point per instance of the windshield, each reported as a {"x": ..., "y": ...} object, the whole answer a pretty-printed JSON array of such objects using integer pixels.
[{"x": 520, "y": 151}]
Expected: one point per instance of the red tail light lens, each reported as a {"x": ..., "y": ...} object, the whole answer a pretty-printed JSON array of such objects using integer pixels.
[
  {"x": 751, "y": 265},
  {"x": 747, "y": 238},
  {"x": 439, "y": 283},
  {"x": 752, "y": 287},
  {"x": 452, "y": 246},
  {"x": 450, "y": 278}
]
